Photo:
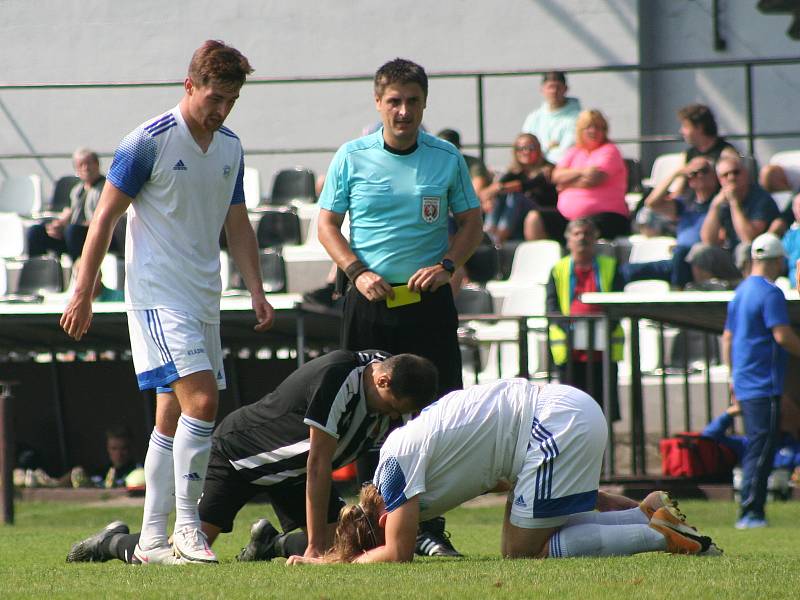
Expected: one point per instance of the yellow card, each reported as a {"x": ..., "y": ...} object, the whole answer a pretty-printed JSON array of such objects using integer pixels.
[{"x": 402, "y": 296}]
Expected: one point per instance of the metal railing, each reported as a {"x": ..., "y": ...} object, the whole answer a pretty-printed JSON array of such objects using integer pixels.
[
  {"x": 663, "y": 372},
  {"x": 480, "y": 78}
]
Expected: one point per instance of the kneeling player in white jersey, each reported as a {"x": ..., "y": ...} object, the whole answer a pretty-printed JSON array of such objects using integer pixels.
[
  {"x": 180, "y": 177},
  {"x": 544, "y": 443}
]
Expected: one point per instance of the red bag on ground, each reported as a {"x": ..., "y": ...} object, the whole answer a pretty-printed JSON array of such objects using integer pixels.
[{"x": 695, "y": 455}]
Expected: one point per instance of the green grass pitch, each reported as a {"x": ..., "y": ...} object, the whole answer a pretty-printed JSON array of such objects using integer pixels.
[{"x": 759, "y": 564}]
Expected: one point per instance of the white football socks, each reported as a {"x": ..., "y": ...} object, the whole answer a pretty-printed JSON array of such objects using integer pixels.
[
  {"x": 191, "y": 452},
  {"x": 605, "y": 540},
  {"x": 630, "y": 516},
  {"x": 159, "y": 496}
]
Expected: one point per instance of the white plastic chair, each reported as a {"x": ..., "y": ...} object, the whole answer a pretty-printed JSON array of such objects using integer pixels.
[
  {"x": 3, "y": 278},
  {"x": 502, "y": 336},
  {"x": 533, "y": 261},
  {"x": 532, "y": 264},
  {"x": 225, "y": 270},
  {"x": 21, "y": 195},
  {"x": 12, "y": 235},
  {"x": 663, "y": 166},
  {"x": 252, "y": 187},
  {"x": 789, "y": 160},
  {"x": 112, "y": 272},
  {"x": 782, "y": 199},
  {"x": 308, "y": 264},
  {"x": 309, "y": 219},
  {"x": 647, "y": 249},
  {"x": 647, "y": 286},
  {"x": 784, "y": 284}
]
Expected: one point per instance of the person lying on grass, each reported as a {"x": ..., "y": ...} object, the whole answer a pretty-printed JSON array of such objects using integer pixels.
[{"x": 546, "y": 439}]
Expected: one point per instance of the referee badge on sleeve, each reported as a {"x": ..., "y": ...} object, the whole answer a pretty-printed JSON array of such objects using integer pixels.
[{"x": 430, "y": 208}]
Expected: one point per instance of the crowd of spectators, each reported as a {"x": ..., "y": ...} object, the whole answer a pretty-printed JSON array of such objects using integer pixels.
[{"x": 564, "y": 166}]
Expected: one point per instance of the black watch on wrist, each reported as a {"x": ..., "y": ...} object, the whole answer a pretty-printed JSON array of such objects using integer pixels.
[{"x": 448, "y": 265}]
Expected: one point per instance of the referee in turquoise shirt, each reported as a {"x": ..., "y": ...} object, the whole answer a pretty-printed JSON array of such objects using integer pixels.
[{"x": 398, "y": 185}]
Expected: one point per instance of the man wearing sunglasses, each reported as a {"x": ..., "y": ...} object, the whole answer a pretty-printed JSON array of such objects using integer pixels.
[
  {"x": 740, "y": 212},
  {"x": 688, "y": 210}
]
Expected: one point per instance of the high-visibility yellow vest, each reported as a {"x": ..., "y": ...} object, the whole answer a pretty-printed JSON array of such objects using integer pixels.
[{"x": 604, "y": 268}]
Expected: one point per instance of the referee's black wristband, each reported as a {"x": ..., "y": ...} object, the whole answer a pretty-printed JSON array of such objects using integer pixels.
[{"x": 354, "y": 269}]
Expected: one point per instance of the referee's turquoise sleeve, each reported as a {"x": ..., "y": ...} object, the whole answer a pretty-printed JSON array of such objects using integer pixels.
[
  {"x": 335, "y": 192},
  {"x": 463, "y": 197}
]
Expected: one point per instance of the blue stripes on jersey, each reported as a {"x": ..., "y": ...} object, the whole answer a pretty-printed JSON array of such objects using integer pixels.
[
  {"x": 225, "y": 131},
  {"x": 158, "y": 123},
  {"x": 162, "y": 375},
  {"x": 133, "y": 162},
  {"x": 392, "y": 484},
  {"x": 163, "y": 128},
  {"x": 566, "y": 505},
  {"x": 238, "y": 189},
  {"x": 544, "y": 474}
]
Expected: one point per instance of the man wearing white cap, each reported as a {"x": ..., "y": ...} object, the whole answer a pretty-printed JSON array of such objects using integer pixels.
[{"x": 756, "y": 338}]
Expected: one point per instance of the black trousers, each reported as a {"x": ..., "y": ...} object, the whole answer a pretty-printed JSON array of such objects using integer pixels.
[
  {"x": 428, "y": 328},
  {"x": 39, "y": 242}
]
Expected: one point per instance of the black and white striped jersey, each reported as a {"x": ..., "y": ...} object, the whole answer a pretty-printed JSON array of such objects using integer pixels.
[{"x": 268, "y": 441}]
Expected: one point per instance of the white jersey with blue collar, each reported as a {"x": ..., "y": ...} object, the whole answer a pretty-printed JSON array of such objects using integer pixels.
[{"x": 181, "y": 196}]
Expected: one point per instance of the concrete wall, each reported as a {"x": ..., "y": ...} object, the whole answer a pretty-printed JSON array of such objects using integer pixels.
[
  {"x": 74, "y": 41},
  {"x": 682, "y": 32},
  {"x": 101, "y": 41}
]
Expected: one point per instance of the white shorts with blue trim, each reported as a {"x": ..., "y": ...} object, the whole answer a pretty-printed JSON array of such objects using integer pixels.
[
  {"x": 169, "y": 344},
  {"x": 561, "y": 472}
]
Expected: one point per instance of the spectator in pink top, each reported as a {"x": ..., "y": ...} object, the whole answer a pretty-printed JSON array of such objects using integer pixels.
[{"x": 592, "y": 178}]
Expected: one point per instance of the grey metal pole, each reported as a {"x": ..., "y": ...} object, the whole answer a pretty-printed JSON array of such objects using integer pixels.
[
  {"x": 609, "y": 460},
  {"x": 7, "y": 457},
  {"x": 301, "y": 337}
]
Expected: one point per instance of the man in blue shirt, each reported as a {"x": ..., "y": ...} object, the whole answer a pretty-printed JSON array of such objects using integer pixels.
[
  {"x": 738, "y": 213},
  {"x": 754, "y": 344},
  {"x": 741, "y": 211},
  {"x": 397, "y": 185},
  {"x": 689, "y": 210}
]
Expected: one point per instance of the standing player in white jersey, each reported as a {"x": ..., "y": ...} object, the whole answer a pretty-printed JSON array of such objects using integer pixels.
[
  {"x": 181, "y": 175},
  {"x": 545, "y": 444}
]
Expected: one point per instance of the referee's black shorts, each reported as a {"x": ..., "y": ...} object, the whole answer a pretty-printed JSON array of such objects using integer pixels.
[
  {"x": 225, "y": 493},
  {"x": 427, "y": 328}
]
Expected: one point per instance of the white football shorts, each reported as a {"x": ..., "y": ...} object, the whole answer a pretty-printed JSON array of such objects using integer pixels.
[
  {"x": 561, "y": 471},
  {"x": 169, "y": 344}
]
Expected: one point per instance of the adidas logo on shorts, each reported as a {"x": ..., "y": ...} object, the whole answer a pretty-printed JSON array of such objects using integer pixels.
[
  {"x": 179, "y": 166},
  {"x": 192, "y": 477},
  {"x": 520, "y": 501}
]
